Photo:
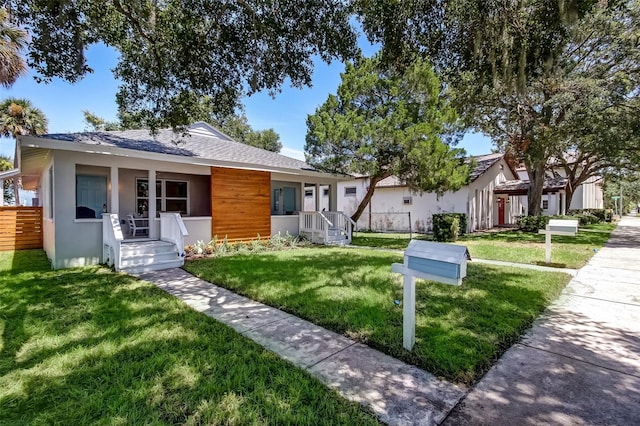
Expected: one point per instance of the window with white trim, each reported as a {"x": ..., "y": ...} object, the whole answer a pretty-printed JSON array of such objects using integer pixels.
[
  {"x": 171, "y": 196},
  {"x": 308, "y": 193},
  {"x": 350, "y": 191},
  {"x": 545, "y": 204},
  {"x": 407, "y": 201}
]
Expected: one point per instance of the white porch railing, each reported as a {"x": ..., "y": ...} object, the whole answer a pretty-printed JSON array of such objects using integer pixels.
[
  {"x": 326, "y": 227},
  {"x": 111, "y": 240},
  {"x": 173, "y": 230}
]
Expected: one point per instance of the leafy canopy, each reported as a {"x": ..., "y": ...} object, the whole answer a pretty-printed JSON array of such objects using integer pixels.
[
  {"x": 383, "y": 123},
  {"x": 540, "y": 77},
  {"x": 175, "y": 53}
]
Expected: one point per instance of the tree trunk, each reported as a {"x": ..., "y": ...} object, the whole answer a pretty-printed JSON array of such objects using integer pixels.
[
  {"x": 373, "y": 180},
  {"x": 534, "y": 194},
  {"x": 568, "y": 196}
]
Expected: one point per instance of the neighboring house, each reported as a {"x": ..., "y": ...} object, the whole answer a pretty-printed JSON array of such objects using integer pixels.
[
  {"x": 220, "y": 188},
  {"x": 588, "y": 195},
  {"x": 394, "y": 207}
]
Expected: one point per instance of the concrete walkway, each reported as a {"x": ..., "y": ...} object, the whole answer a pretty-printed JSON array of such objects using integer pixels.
[
  {"x": 580, "y": 363},
  {"x": 398, "y": 393}
]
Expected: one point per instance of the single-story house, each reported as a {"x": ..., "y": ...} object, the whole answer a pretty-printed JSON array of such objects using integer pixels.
[
  {"x": 105, "y": 192},
  {"x": 395, "y": 207}
]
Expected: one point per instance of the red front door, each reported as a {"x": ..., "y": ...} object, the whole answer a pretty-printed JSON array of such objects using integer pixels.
[{"x": 500, "y": 211}]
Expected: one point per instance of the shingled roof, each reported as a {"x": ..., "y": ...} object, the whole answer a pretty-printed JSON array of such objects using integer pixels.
[
  {"x": 521, "y": 187},
  {"x": 212, "y": 145},
  {"x": 483, "y": 163}
]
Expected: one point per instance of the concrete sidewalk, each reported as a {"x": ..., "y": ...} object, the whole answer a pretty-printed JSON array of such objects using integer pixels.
[
  {"x": 398, "y": 393},
  {"x": 580, "y": 363}
]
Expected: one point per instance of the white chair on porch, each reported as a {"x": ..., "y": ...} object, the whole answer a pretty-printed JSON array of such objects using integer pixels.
[{"x": 137, "y": 225}]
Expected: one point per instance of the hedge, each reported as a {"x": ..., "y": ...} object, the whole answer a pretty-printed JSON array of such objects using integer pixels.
[{"x": 448, "y": 226}]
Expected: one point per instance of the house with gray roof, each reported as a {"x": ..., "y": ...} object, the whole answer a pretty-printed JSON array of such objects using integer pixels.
[
  {"x": 395, "y": 207},
  {"x": 134, "y": 199}
]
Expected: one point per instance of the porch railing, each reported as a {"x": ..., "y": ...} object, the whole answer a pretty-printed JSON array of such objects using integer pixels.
[
  {"x": 173, "y": 230},
  {"x": 111, "y": 240},
  {"x": 320, "y": 227}
]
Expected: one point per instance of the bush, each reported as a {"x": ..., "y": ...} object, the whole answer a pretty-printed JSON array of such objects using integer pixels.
[
  {"x": 446, "y": 226},
  {"x": 532, "y": 223},
  {"x": 600, "y": 214}
]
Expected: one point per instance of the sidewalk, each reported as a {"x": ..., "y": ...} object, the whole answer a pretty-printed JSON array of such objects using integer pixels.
[
  {"x": 580, "y": 363},
  {"x": 398, "y": 393}
]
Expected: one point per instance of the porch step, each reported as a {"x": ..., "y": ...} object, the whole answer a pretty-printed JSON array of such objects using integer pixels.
[{"x": 145, "y": 256}]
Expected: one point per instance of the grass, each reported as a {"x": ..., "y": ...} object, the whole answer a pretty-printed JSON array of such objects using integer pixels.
[
  {"x": 513, "y": 245},
  {"x": 460, "y": 331},
  {"x": 80, "y": 346}
]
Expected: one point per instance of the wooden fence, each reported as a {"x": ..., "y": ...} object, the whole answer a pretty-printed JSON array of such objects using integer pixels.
[{"x": 20, "y": 228}]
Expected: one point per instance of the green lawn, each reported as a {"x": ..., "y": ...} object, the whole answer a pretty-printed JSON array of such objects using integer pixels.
[
  {"x": 81, "y": 346},
  {"x": 512, "y": 245},
  {"x": 460, "y": 331}
]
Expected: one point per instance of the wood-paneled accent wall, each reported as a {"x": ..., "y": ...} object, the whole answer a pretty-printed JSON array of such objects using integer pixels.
[
  {"x": 240, "y": 203},
  {"x": 20, "y": 228}
]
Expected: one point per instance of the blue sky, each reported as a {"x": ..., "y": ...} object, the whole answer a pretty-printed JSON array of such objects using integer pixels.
[{"x": 63, "y": 103}]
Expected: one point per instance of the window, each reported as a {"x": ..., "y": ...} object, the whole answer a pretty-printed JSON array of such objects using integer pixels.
[
  {"x": 91, "y": 196},
  {"x": 407, "y": 201},
  {"x": 308, "y": 193},
  {"x": 171, "y": 196},
  {"x": 545, "y": 204},
  {"x": 350, "y": 191},
  {"x": 325, "y": 192}
]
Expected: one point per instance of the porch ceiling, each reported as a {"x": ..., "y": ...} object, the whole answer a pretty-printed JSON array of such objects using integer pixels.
[{"x": 32, "y": 163}]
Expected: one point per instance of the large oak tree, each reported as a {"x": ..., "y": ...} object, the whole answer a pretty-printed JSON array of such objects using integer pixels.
[
  {"x": 175, "y": 53},
  {"x": 534, "y": 75},
  {"x": 385, "y": 123}
]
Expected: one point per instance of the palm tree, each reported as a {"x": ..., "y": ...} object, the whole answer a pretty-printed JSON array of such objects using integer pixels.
[
  {"x": 20, "y": 117},
  {"x": 12, "y": 41}
]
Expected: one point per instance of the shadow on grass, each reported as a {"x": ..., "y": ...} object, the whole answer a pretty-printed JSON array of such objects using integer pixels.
[
  {"x": 460, "y": 331},
  {"x": 80, "y": 346}
]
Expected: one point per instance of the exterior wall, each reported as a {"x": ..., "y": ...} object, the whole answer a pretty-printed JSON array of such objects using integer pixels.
[
  {"x": 389, "y": 213},
  {"x": 285, "y": 224},
  {"x": 78, "y": 242},
  {"x": 588, "y": 195},
  {"x": 199, "y": 228},
  {"x": 240, "y": 203}
]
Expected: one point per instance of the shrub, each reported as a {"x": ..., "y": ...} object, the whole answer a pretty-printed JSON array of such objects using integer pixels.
[
  {"x": 446, "y": 226},
  {"x": 532, "y": 223},
  {"x": 600, "y": 214}
]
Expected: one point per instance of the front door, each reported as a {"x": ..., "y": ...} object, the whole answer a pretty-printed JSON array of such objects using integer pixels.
[{"x": 500, "y": 211}]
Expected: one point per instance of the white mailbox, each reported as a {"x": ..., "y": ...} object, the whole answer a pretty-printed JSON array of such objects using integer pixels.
[
  {"x": 567, "y": 227},
  {"x": 563, "y": 225},
  {"x": 445, "y": 263}
]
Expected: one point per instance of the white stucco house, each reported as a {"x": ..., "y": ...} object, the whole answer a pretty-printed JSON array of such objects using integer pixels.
[
  {"x": 177, "y": 189},
  {"x": 394, "y": 207}
]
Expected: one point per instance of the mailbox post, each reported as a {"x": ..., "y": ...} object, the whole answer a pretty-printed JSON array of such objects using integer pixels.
[
  {"x": 444, "y": 263},
  {"x": 567, "y": 227}
]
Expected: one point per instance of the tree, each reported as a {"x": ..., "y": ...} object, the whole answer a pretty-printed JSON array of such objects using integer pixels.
[
  {"x": 6, "y": 163},
  {"x": 12, "y": 41},
  {"x": 94, "y": 123},
  {"x": 237, "y": 126},
  {"x": 529, "y": 74},
  {"x": 383, "y": 123},
  {"x": 20, "y": 117},
  {"x": 172, "y": 54}
]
